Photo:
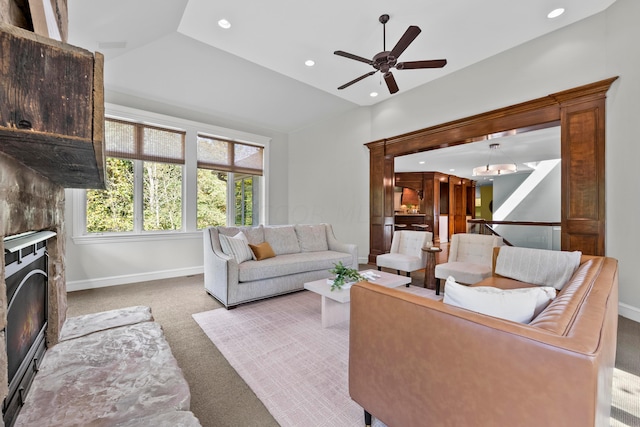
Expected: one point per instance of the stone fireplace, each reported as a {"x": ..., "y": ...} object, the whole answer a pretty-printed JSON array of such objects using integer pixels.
[
  {"x": 29, "y": 202},
  {"x": 51, "y": 133}
]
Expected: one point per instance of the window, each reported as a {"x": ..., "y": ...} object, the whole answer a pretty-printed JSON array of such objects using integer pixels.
[
  {"x": 221, "y": 162},
  {"x": 144, "y": 180},
  {"x": 173, "y": 176}
]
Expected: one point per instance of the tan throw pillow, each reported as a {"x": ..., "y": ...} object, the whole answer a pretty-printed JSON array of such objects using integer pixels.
[{"x": 262, "y": 251}]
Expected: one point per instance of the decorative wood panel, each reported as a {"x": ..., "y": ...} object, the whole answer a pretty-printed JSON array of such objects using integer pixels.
[
  {"x": 52, "y": 107},
  {"x": 580, "y": 113},
  {"x": 583, "y": 167},
  {"x": 377, "y": 199}
]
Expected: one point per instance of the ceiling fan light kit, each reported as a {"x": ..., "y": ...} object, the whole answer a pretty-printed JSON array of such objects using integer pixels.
[{"x": 386, "y": 60}]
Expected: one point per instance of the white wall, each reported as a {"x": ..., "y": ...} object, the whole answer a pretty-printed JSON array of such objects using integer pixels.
[
  {"x": 541, "y": 204},
  {"x": 594, "y": 49},
  {"x": 329, "y": 177}
]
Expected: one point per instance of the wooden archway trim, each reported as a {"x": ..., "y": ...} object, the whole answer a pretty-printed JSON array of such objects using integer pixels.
[{"x": 581, "y": 114}]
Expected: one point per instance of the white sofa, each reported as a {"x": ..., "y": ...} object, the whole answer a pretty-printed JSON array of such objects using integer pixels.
[{"x": 303, "y": 253}]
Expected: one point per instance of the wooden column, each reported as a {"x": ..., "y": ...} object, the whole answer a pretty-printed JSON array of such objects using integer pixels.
[
  {"x": 381, "y": 200},
  {"x": 583, "y": 173}
]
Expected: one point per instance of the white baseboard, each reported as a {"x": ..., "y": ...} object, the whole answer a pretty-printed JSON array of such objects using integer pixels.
[
  {"x": 629, "y": 312},
  {"x": 79, "y": 285}
]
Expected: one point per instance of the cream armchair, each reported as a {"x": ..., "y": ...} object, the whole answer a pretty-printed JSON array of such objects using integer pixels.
[
  {"x": 406, "y": 251},
  {"x": 470, "y": 258}
]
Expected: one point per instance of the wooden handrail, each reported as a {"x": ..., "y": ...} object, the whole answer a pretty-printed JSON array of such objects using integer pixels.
[
  {"x": 535, "y": 223},
  {"x": 486, "y": 225}
]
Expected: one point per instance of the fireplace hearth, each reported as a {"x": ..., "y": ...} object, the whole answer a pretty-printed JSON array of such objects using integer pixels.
[{"x": 26, "y": 278}]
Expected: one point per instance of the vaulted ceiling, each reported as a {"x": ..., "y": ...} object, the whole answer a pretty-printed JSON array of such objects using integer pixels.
[{"x": 174, "y": 52}]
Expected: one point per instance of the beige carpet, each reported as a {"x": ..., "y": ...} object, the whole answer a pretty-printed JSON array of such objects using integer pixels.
[
  {"x": 297, "y": 368},
  {"x": 220, "y": 397}
]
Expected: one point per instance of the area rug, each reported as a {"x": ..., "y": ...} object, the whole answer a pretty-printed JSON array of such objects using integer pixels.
[{"x": 298, "y": 369}]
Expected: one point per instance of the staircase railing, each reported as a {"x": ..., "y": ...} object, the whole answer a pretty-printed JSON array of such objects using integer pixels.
[{"x": 541, "y": 239}]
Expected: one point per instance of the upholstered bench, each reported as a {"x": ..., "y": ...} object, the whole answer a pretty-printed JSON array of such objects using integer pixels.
[{"x": 110, "y": 368}]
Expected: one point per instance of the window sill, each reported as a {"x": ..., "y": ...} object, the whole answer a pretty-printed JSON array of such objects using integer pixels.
[{"x": 90, "y": 239}]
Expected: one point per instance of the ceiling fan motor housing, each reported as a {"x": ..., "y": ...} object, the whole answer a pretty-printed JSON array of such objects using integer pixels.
[{"x": 383, "y": 61}]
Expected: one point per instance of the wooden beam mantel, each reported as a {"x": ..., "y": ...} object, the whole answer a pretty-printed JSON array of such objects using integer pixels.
[{"x": 52, "y": 107}]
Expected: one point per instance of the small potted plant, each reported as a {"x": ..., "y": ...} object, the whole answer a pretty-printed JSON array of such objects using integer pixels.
[{"x": 343, "y": 276}]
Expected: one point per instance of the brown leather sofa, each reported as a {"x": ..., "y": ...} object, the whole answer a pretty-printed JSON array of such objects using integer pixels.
[{"x": 414, "y": 361}]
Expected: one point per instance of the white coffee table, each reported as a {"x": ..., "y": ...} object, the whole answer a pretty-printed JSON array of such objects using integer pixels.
[{"x": 335, "y": 304}]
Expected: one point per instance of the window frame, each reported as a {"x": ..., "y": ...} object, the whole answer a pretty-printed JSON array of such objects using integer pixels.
[{"x": 189, "y": 229}]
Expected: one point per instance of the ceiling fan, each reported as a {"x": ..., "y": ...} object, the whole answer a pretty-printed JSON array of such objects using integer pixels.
[{"x": 386, "y": 60}]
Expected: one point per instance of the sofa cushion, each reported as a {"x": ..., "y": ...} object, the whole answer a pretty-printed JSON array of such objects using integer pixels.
[
  {"x": 312, "y": 237},
  {"x": 463, "y": 272},
  {"x": 237, "y": 247},
  {"x": 262, "y": 251},
  {"x": 518, "y": 305},
  {"x": 255, "y": 235},
  {"x": 282, "y": 239},
  {"x": 283, "y": 265},
  {"x": 538, "y": 266}
]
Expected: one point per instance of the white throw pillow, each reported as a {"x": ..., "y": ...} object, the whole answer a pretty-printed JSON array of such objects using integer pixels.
[
  {"x": 519, "y": 305},
  {"x": 237, "y": 247}
]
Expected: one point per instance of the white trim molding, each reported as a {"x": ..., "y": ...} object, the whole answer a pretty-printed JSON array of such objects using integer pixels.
[
  {"x": 628, "y": 311},
  {"x": 80, "y": 285}
]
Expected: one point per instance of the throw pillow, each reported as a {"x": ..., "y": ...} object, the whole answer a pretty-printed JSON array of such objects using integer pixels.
[
  {"x": 262, "y": 251},
  {"x": 312, "y": 238},
  {"x": 518, "y": 305},
  {"x": 236, "y": 246},
  {"x": 537, "y": 266}
]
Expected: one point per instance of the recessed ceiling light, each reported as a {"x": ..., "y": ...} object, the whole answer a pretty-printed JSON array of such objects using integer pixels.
[
  {"x": 223, "y": 23},
  {"x": 373, "y": 94},
  {"x": 309, "y": 63},
  {"x": 422, "y": 162},
  {"x": 555, "y": 13},
  {"x": 452, "y": 170}
]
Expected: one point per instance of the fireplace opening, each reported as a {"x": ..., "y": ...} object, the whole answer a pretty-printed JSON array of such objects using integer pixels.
[{"x": 26, "y": 265}]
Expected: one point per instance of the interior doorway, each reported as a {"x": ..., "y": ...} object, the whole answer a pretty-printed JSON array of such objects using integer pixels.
[{"x": 580, "y": 112}]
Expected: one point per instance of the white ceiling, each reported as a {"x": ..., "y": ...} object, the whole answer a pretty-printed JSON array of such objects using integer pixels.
[{"x": 173, "y": 52}]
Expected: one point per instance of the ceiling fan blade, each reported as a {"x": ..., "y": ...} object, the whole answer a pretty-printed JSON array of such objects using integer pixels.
[
  {"x": 352, "y": 56},
  {"x": 370, "y": 73},
  {"x": 412, "y": 65},
  {"x": 404, "y": 42},
  {"x": 391, "y": 82}
]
